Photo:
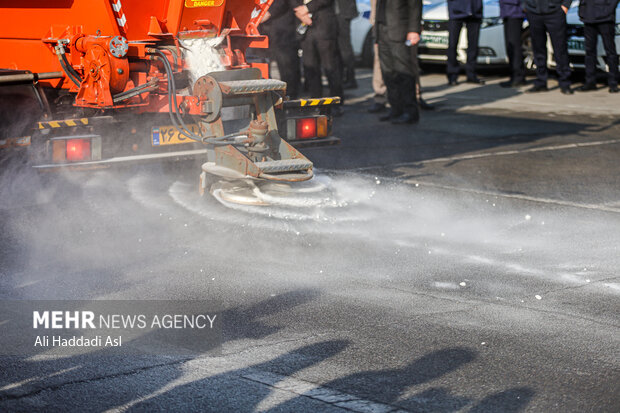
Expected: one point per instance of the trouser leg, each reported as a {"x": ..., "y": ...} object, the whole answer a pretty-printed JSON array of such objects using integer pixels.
[
  {"x": 415, "y": 71},
  {"x": 539, "y": 47},
  {"x": 514, "y": 51},
  {"x": 312, "y": 68},
  {"x": 346, "y": 50},
  {"x": 590, "y": 34},
  {"x": 473, "y": 34},
  {"x": 454, "y": 32},
  {"x": 387, "y": 68},
  {"x": 396, "y": 66},
  {"x": 378, "y": 86},
  {"x": 607, "y": 31},
  {"x": 288, "y": 64},
  {"x": 330, "y": 62},
  {"x": 556, "y": 25}
]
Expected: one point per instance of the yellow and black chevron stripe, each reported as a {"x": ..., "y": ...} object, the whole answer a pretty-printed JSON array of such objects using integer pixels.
[
  {"x": 67, "y": 123},
  {"x": 313, "y": 102}
]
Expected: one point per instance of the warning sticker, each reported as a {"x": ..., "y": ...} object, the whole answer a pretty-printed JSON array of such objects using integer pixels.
[{"x": 203, "y": 3}]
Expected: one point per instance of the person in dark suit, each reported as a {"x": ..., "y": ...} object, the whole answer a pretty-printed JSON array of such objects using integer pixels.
[
  {"x": 513, "y": 15},
  {"x": 549, "y": 16},
  {"x": 397, "y": 26},
  {"x": 279, "y": 25},
  {"x": 346, "y": 10},
  {"x": 320, "y": 46},
  {"x": 599, "y": 17},
  {"x": 468, "y": 13}
]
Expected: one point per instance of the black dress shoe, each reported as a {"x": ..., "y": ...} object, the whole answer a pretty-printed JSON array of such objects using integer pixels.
[
  {"x": 475, "y": 80},
  {"x": 406, "y": 118},
  {"x": 388, "y": 116},
  {"x": 452, "y": 82},
  {"x": 376, "y": 107},
  {"x": 537, "y": 88},
  {"x": 566, "y": 90},
  {"x": 424, "y": 105},
  {"x": 613, "y": 89},
  {"x": 587, "y": 87}
]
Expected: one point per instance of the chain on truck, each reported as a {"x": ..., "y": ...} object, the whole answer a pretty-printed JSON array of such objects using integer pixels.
[{"x": 95, "y": 83}]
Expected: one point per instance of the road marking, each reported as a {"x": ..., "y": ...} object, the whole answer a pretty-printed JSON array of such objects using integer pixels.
[
  {"x": 314, "y": 391},
  {"x": 499, "y": 153},
  {"x": 599, "y": 207},
  {"x": 516, "y": 196},
  {"x": 359, "y": 99}
]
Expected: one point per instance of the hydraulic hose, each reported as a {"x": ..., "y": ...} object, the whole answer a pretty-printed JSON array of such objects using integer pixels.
[
  {"x": 66, "y": 66},
  {"x": 179, "y": 123},
  {"x": 172, "y": 100},
  {"x": 150, "y": 85}
]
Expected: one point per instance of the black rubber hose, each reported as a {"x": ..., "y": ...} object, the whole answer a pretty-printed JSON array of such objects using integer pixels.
[
  {"x": 69, "y": 70},
  {"x": 172, "y": 101},
  {"x": 173, "y": 105},
  {"x": 151, "y": 85},
  {"x": 66, "y": 70}
]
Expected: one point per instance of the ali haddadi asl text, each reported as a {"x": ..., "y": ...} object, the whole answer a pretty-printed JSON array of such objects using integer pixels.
[{"x": 81, "y": 341}]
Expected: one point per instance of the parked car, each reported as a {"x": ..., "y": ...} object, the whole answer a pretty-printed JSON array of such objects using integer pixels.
[
  {"x": 491, "y": 48},
  {"x": 361, "y": 31},
  {"x": 361, "y": 34},
  {"x": 434, "y": 42}
]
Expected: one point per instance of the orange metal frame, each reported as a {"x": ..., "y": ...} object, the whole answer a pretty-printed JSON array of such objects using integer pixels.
[{"x": 30, "y": 31}]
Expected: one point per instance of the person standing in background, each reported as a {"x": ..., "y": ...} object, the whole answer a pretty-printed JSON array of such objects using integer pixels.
[
  {"x": 599, "y": 17},
  {"x": 417, "y": 73},
  {"x": 512, "y": 13},
  {"x": 549, "y": 16},
  {"x": 378, "y": 86},
  {"x": 320, "y": 47},
  {"x": 398, "y": 25},
  {"x": 279, "y": 25},
  {"x": 468, "y": 13},
  {"x": 346, "y": 10}
]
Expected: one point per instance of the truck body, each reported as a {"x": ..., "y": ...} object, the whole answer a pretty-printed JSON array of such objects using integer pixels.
[{"x": 100, "y": 82}]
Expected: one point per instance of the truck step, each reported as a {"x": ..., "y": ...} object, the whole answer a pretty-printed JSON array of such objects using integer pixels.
[
  {"x": 250, "y": 87},
  {"x": 285, "y": 165}
]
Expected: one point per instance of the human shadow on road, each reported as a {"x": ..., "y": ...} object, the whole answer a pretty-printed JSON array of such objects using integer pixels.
[
  {"x": 389, "y": 386},
  {"x": 104, "y": 379},
  {"x": 368, "y": 143},
  {"x": 243, "y": 389}
]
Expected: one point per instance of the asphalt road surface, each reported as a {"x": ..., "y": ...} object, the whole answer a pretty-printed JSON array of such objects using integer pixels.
[{"x": 467, "y": 263}]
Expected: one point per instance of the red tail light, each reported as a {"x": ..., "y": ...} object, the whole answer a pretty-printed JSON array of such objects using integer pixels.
[
  {"x": 81, "y": 148},
  {"x": 306, "y": 128},
  {"x": 78, "y": 150}
]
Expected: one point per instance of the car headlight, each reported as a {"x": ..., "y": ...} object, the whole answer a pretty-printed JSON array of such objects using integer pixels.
[{"x": 491, "y": 21}]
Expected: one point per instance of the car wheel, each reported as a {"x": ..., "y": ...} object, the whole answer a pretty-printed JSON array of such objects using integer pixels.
[
  {"x": 368, "y": 50},
  {"x": 528, "y": 51}
]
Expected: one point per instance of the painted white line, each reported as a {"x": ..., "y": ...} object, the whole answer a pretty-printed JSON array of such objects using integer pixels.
[
  {"x": 515, "y": 196},
  {"x": 359, "y": 99},
  {"x": 499, "y": 153},
  {"x": 316, "y": 392}
]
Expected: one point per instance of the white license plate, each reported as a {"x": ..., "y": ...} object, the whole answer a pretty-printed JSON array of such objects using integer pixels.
[
  {"x": 576, "y": 44},
  {"x": 436, "y": 39}
]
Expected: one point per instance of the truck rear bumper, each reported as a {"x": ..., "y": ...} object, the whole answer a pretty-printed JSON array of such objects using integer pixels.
[{"x": 171, "y": 156}]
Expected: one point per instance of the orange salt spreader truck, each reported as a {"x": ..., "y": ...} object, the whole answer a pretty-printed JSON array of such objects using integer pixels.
[{"x": 93, "y": 83}]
